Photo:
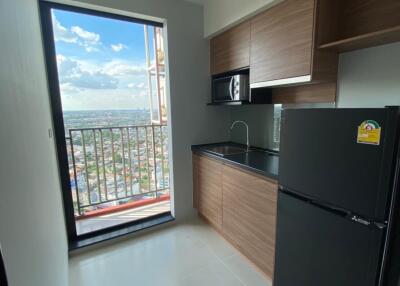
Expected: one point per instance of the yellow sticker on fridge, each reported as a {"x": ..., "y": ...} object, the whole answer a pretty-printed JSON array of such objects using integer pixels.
[{"x": 369, "y": 132}]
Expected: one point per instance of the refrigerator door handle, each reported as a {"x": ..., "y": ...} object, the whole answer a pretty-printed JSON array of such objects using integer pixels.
[
  {"x": 360, "y": 220},
  {"x": 366, "y": 222},
  {"x": 380, "y": 225}
]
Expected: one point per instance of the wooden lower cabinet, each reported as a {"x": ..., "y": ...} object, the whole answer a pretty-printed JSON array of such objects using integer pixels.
[
  {"x": 249, "y": 216},
  {"x": 241, "y": 206},
  {"x": 207, "y": 181}
]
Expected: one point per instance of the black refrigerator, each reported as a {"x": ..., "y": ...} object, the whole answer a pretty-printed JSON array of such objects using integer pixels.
[{"x": 337, "y": 221}]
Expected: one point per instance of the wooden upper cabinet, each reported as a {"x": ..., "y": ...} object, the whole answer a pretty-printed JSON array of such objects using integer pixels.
[
  {"x": 208, "y": 189},
  {"x": 281, "y": 48},
  {"x": 231, "y": 49},
  {"x": 249, "y": 216},
  {"x": 282, "y": 41}
]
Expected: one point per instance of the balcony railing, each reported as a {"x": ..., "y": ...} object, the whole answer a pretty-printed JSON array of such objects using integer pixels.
[{"x": 114, "y": 165}]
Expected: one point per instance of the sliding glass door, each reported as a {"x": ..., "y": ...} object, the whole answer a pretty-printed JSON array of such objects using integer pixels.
[{"x": 107, "y": 83}]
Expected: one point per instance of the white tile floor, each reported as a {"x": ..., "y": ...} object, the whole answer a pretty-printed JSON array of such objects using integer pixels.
[
  {"x": 99, "y": 222},
  {"x": 186, "y": 254}
]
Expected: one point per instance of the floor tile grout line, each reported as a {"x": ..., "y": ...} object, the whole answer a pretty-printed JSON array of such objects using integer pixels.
[
  {"x": 226, "y": 266},
  {"x": 234, "y": 274}
]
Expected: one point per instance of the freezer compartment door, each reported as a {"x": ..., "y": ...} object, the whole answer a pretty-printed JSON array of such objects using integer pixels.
[
  {"x": 321, "y": 158},
  {"x": 317, "y": 247}
]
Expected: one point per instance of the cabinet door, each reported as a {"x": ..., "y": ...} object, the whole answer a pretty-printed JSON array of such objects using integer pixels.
[
  {"x": 209, "y": 190},
  {"x": 282, "y": 41},
  {"x": 249, "y": 216},
  {"x": 230, "y": 50},
  {"x": 195, "y": 166}
]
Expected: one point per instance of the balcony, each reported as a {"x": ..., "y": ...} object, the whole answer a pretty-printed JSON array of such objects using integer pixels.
[{"x": 118, "y": 174}]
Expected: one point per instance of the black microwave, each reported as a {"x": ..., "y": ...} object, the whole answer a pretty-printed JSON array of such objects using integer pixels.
[{"x": 231, "y": 88}]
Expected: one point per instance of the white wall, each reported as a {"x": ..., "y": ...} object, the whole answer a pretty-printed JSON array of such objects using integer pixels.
[
  {"x": 222, "y": 14},
  {"x": 370, "y": 77},
  {"x": 32, "y": 231}
]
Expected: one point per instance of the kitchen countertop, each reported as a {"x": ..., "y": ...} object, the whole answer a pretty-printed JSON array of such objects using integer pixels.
[{"x": 261, "y": 161}]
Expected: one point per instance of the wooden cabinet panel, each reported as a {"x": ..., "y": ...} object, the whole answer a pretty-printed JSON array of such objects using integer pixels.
[
  {"x": 231, "y": 49},
  {"x": 249, "y": 216},
  {"x": 240, "y": 205},
  {"x": 282, "y": 41},
  {"x": 195, "y": 165},
  {"x": 208, "y": 189}
]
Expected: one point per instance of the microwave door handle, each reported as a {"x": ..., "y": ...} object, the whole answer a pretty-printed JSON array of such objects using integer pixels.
[{"x": 231, "y": 87}]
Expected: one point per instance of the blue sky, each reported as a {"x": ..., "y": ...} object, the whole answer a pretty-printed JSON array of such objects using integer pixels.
[{"x": 101, "y": 62}]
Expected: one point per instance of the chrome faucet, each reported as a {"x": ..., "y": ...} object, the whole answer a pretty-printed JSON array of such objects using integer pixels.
[{"x": 247, "y": 131}]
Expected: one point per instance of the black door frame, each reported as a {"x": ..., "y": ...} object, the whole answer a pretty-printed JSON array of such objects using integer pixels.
[
  {"x": 3, "y": 274},
  {"x": 45, "y": 8}
]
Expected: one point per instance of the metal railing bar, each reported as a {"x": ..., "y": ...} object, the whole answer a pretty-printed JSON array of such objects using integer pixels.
[
  {"x": 162, "y": 155},
  {"x": 123, "y": 159},
  {"x": 75, "y": 176},
  {"x": 154, "y": 157},
  {"x": 104, "y": 163},
  {"x": 148, "y": 160},
  {"x": 86, "y": 168},
  {"x": 113, "y": 163},
  {"x": 118, "y": 127},
  {"x": 138, "y": 154},
  {"x": 118, "y": 199},
  {"x": 130, "y": 159},
  {"x": 97, "y": 164}
]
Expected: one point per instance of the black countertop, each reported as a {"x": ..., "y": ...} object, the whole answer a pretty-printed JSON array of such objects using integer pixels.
[{"x": 261, "y": 161}]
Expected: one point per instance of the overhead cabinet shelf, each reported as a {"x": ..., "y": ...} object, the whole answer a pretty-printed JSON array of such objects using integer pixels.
[
  {"x": 382, "y": 37},
  {"x": 359, "y": 24}
]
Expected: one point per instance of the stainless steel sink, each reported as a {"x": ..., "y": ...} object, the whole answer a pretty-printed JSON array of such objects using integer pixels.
[{"x": 225, "y": 150}]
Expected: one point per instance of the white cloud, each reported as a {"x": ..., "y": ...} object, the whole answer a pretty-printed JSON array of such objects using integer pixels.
[
  {"x": 121, "y": 68},
  {"x": 140, "y": 85},
  {"x": 86, "y": 35},
  {"x": 90, "y": 48},
  {"x": 72, "y": 76},
  {"x": 61, "y": 33},
  {"x": 103, "y": 85},
  {"x": 68, "y": 88},
  {"x": 118, "y": 47},
  {"x": 88, "y": 40}
]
